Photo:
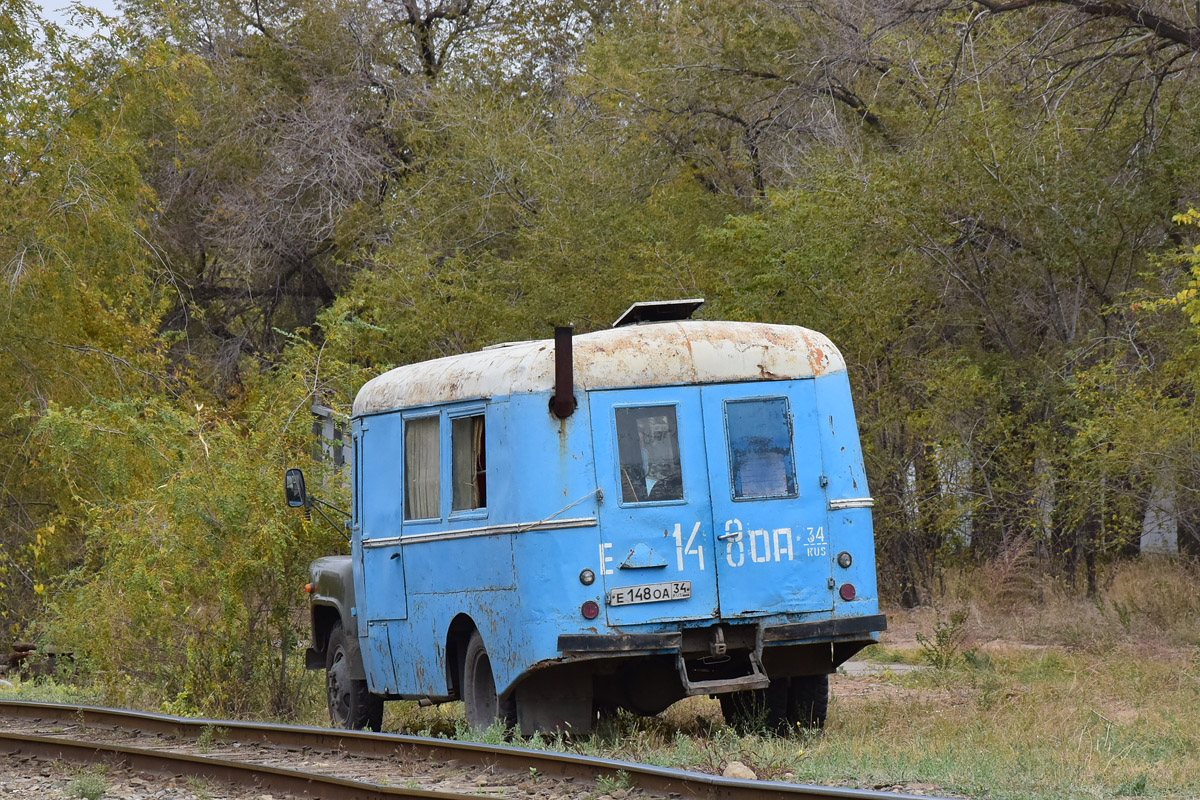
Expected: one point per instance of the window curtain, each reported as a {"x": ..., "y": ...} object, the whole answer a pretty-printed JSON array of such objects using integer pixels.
[
  {"x": 422, "y": 469},
  {"x": 468, "y": 465}
]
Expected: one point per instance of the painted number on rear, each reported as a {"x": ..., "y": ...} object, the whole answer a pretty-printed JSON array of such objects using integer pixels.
[
  {"x": 777, "y": 544},
  {"x": 759, "y": 546},
  {"x": 691, "y": 548}
]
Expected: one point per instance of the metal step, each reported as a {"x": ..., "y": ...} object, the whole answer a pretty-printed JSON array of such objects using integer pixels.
[{"x": 756, "y": 679}]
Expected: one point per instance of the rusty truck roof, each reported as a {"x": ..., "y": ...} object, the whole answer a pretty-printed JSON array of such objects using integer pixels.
[{"x": 659, "y": 354}]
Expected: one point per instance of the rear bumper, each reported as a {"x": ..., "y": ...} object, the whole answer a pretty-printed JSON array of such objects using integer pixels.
[{"x": 824, "y": 630}]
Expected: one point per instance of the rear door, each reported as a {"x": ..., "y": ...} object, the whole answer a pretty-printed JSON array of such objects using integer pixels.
[
  {"x": 656, "y": 549},
  {"x": 768, "y": 498}
]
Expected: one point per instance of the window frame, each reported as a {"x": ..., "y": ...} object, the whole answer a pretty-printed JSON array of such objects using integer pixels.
[
  {"x": 791, "y": 434},
  {"x": 460, "y": 412},
  {"x": 405, "y": 420},
  {"x": 621, "y": 501}
]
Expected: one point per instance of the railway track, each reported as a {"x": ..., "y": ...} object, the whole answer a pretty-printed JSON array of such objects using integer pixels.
[{"x": 336, "y": 764}]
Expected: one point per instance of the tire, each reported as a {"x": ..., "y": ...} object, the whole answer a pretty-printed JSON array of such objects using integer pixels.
[
  {"x": 351, "y": 704},
  {"x": 757, "y": 710},
  {"x": 787, "y": 704},
  {"x": 808, "y": 701},
  {"x": 483, "y": 707},
  {"x": 606, "y": 710}
]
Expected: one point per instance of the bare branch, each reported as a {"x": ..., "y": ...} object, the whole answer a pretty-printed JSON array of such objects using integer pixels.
[{"x": 1138, "y": 15}]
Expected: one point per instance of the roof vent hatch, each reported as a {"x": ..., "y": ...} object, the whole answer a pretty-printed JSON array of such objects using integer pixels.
[{"x": 659, "y": 311}]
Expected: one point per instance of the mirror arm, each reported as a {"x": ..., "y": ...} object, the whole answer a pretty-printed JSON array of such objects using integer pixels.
[
  {"x": 326, "y": 516},
  {"x": 312, "y": 500}
]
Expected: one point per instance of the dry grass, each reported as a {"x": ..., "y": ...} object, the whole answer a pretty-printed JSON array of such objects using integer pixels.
[
  {"x": 1152, "y": 601},
  {"x": 1051, "y": 695},
  {"x": 1048, "y": 695},
  {"x": 1010, "y": 578}
]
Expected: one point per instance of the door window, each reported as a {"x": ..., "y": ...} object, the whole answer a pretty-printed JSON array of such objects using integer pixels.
[
  {"x": 648, "y": 454},
  {"x": 760, "y": 449}
]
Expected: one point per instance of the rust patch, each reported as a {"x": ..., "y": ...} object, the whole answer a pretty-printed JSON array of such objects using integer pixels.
[{"x": 767, "y": 375}]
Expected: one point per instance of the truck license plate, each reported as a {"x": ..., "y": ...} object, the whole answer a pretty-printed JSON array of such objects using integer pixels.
[{"x": 650, "y": 593}]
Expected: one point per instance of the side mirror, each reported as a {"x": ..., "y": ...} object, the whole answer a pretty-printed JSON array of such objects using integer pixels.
[{"x": 293, "y": 487}]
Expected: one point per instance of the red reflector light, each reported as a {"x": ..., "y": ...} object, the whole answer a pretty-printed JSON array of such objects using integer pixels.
[
  {"x": 847, "y": 591},
  {"x": 590, "y": 610}
]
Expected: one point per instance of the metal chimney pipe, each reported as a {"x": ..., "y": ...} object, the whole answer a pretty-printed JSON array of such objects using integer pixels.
[{"x": 563, "y": 404}]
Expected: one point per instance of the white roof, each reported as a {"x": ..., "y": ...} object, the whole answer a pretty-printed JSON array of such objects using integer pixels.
[{"x": 659, "y": 354}]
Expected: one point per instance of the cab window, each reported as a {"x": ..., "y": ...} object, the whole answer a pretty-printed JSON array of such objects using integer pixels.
[
  {"x": 648, "y": 454},
  {"x": 760, "y": 448}
]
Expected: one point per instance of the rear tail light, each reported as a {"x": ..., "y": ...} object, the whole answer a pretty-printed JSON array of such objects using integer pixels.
[
  {"x": 847, "y": 591},
  {"x": 590, "y": 609}
]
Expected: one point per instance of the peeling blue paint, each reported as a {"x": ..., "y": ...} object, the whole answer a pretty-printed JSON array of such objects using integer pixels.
[{"x": 564, "y": 496}]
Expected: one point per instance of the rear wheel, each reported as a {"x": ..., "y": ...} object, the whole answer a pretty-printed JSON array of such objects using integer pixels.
[
  {"x": 757, "y": 710},
  {"x": 483, "y": 706},
  {"x": 351, "y": 704},
  {"x": 808, "y": 700},
  {"x": 786, "y": 704}
]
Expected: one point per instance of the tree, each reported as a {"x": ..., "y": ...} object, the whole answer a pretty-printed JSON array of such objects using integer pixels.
[
  {"x": 290, "y": 129},
  {"x": 81, "y": 303}
]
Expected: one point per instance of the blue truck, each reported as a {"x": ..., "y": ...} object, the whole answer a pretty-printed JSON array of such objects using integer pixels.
[{"x": 551, "y": 530}]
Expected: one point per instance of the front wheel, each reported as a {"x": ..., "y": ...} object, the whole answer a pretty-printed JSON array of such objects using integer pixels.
[
  {"x": 351, "y": 704},
  {"x": 483, "y": 706}
]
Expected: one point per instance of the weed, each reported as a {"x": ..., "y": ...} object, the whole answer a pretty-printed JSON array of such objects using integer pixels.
[
  {"x": 1124, "y": 615},
  {"x": 978, "y": 661},
  {"x": 948, "y": 636},
  {"x": 49, "y": 691},
  {"x": 991, "y": 692},
  {"x": 198, "y": 787},
  {"x": 496, "y": 733},
  {"x": 534, "y": 775},
  {"x": 88, "y": 785},
  {"x": 181, "y": 705},
  {"x": 209, "y": 736},
  {"x": 607, "y": 784},
  {"x": 1135, "y": 786},
  {"x": 752, "y": 714}
]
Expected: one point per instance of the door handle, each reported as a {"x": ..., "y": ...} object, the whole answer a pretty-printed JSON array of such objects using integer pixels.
[{"x": 731, "y": 535}]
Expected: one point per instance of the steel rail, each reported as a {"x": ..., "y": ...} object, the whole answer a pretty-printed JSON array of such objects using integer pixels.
[
  {"x": 663, "y": 780},
  {"x": 241, "y": 773}
]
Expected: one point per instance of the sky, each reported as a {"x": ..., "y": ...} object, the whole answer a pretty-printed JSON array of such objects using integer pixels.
[{"x": 59, "y": 10}]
